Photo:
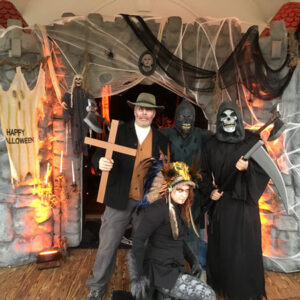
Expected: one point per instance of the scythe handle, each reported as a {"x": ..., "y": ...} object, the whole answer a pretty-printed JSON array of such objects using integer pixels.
[
  {"x": 247, "y": 156},
  {"x": 227, "y": 181},
  {"x": 275, "y": 116}
]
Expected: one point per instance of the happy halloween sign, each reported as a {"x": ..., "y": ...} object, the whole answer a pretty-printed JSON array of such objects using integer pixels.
[{"x": 18, "y": 136}]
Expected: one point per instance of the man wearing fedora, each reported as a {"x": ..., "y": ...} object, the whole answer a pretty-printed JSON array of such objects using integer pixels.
[{"x": 125, "y": 185}]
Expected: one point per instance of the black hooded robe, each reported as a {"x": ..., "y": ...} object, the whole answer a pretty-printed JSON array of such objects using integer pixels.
[
  {"x": 234, "y": 258},
  {"x": 77, "y": 113}
]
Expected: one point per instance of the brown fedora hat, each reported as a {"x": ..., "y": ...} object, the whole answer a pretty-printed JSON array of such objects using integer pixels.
[{"x": 145, "y": 100}]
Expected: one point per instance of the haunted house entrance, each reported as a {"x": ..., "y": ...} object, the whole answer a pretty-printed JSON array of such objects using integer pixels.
[{"x": 120, "y": 110}]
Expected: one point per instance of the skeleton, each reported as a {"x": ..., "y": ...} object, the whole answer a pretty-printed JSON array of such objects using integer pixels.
[
  {"x": 77, "y": 80},
  {"x": 229, "y": 120},
  {"x": 74, "y": 103}
]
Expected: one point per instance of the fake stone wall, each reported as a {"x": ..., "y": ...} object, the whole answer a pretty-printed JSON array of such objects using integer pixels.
[{"x": 21, "y": 234}]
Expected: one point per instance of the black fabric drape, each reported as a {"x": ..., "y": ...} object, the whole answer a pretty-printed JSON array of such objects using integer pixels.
[
  {"x": 245, "y": 65},
  {"x": 181, "y": 72}
]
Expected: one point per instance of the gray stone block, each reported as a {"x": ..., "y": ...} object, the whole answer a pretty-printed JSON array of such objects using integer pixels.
[
  {"x": 72, "y": 216},
  {"x": 290, "y": 243},
  {"x": 287, "y": 178},
  {"x": 41, "y": 242},
  {"x": 5, "y": 173},
  {"x": 31, "y": 44},
  {"x": 5, "y": 43},
  {"x": 282, "y": 264},
  {"x": 171, "y": 33},
  {"x": 287, "y": 223},
  {"x": 270, "y": 52},
  {"x": 7, "y": 194},
  {"x": 22, "y": 255},
  {"x": 96, "y": 19},
  {"x": 16, "y": 32},
  {"x": 72, "y": 228},
  {"x": 6, "y": 223},
  {"x": 15, "y": 50},
  {"x": 73, "y": 240},
  {"x": 10, "y": 75},
  {"x": 153, "y": 26},
  {"x": 25, "y": 225}
]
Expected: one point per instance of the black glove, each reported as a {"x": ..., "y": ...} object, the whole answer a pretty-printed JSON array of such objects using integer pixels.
[
  {"x": 139, "y": 285},
  {"x": 191, "y": 258}
]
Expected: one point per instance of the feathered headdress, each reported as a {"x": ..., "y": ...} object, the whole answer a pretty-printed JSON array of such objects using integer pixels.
[{"x": 162, "y": 177}]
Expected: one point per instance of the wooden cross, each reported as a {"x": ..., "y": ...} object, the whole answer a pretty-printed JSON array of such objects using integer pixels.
[{"x": 110, "y": 146}]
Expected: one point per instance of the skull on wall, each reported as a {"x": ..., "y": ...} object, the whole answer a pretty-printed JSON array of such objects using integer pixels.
[{"x": 229, "y": 120}]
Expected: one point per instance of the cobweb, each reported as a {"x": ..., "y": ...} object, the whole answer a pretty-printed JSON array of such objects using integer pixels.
[{"x": 206, "y": 61}]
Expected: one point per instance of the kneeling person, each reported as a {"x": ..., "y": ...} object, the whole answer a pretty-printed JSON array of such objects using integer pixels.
[{"x": 156, "y": 260}]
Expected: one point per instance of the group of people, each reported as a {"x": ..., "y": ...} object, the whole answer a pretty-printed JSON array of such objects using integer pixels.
[{"x": 187, "y": 168}]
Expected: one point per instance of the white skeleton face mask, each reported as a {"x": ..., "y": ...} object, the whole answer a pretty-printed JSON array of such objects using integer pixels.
[{"x": 229, "y": 120}]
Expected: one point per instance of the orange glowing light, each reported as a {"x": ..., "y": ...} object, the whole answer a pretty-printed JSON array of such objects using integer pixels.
[
  {"x": 105, "y": 92},
  {"x": 48, "y": 252},
  {"x": 42, "y": 210},
  {"x": 263, "y": 93},
  {"x": 48, "y": 256},
  {"x": 266, "y": 222},
  {"x": 163, "y": 122},
  {"x": 268, "y": 205},
  {"x": 257, "y": 103}
]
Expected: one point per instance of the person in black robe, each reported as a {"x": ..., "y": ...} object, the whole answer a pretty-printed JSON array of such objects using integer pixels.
[
  {"x": 234, "y": 260},
  {"x": 186, "y": 143}
]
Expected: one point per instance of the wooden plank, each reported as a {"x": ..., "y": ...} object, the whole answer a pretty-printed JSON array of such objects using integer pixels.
[
  {"x": 110, "y": 147},
  {"x": 68, "y": 281},
  {"x": 105, "y": 145}
]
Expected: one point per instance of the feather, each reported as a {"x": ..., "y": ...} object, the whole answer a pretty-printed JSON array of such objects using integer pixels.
[
  {"x": 157, "y": 188},
  {"x": 195, "y": 170},
  {"x": 167, "y": 169},
  {"x": 173, "y": 220},
  {"x": 154, "y": 166},
  {"x": 193, "y": 223}
]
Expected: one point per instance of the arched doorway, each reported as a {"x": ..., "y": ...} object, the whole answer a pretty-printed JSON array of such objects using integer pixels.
[{"x": 120, "y": 110}]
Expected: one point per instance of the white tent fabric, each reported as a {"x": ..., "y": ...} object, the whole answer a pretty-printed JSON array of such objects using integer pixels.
[{"x": 257, "y": 12}]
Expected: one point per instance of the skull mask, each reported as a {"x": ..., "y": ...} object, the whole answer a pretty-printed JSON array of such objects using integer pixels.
[
  {"x": 229, "y": 120},
  {"x": 185, "y": 118},
  {"x": 229, "y": 125}
]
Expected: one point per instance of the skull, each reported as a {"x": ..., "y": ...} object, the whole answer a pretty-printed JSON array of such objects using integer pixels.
[
  {"x": 77, "y": 81},
  {"x": 229, "y": 120}
]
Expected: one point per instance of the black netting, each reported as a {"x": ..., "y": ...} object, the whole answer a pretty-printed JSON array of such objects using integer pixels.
[
  {"x": 245, "y": 65},
  {"x": 181, "y": 72}
]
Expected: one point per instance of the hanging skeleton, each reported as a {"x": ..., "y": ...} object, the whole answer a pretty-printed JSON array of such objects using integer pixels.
[
  {"x": 18, "y": 111},
  {"x": 75, "y": 103}
]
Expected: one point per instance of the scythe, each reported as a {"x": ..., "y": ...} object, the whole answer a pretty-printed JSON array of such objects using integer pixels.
[{"x": 263, "y": 159}]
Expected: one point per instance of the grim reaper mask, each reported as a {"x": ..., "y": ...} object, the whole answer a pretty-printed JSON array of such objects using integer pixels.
[
  {"x": 185, "y": 118},
  {"x": 230, "y": 128}
]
